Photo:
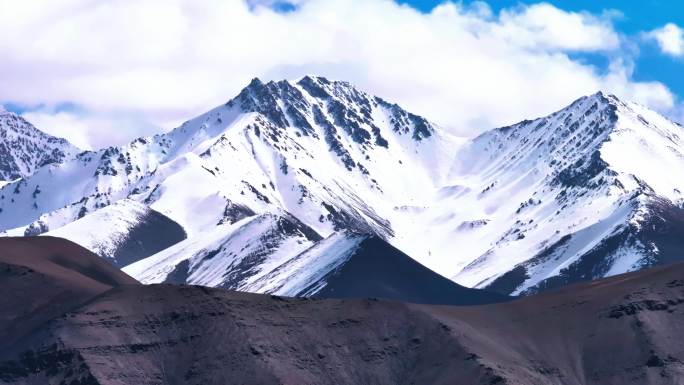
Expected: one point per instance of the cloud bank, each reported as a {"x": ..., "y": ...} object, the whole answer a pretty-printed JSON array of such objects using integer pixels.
[
  {"x": 135, "y": 67},
  {"x": 670, "y": 39}
]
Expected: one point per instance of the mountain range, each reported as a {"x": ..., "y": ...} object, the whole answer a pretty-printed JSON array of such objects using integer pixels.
[{"x": 290, "y": 184}]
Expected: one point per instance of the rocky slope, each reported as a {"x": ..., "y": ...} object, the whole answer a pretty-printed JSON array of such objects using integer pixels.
[{"x": 621, "y": 330}]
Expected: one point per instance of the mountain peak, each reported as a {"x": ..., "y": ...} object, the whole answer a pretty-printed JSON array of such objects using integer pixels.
[
  {"x": 24, "y": 148},
  {"x": 575, "y": 136},
  {"x": 315, "y": 106},
  {"x": 601, "y": 95},
  {"x": 314, "y": 77},
  {"x": 256, "y": 82}
]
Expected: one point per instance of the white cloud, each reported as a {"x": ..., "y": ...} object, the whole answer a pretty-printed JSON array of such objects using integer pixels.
[
  {"x": 670, "y": 39},
  {"x": 152, "y": 63},
  {"x": 545, "y": 27},
  {"x": 88, "y": 131}
]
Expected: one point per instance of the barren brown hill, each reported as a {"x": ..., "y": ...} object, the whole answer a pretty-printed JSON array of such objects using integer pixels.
[
  {"x": 622, "y": 330},
  {"x": 44, "y": 277},
  {"x": 626, "y": 329}
]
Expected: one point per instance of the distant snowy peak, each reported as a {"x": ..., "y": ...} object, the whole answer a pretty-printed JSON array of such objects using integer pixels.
[
  {"x": 554, "y": 143},
  {"x": 591, "y": 194},
  {"x": 596, "y": 136},
  {"x": 24, "y": 148}
]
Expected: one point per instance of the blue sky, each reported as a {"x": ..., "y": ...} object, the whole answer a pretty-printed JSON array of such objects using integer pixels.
[
  {"x": 636, "y": 16},
  {"x": 146, "y": 66}
]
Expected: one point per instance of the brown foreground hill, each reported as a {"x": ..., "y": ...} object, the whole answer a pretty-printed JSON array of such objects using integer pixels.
[{"x": 67, "y": 317}]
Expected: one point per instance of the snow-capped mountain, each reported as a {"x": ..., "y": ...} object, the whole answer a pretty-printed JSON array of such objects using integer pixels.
[
  {"x": 317, "y": 156},
  {"x": 586, "y": 192},
  {"x": 24, "y": 148},
  {"x": 273, "y": 189}
]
